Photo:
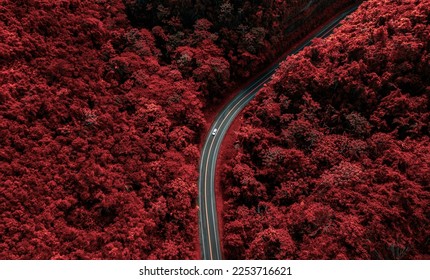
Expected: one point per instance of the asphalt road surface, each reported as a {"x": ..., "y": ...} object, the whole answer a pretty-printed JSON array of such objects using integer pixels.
[{"x": 208, "y": 223}]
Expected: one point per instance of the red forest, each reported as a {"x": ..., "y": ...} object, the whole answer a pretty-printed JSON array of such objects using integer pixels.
[
  {"x": 102, "y": 111},
  {"x": 332, "y": 160},
  {"x": 95, "y": 162}
]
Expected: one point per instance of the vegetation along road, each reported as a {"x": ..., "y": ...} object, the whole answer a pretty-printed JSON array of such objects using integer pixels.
[{"x": 208, "y": 224}]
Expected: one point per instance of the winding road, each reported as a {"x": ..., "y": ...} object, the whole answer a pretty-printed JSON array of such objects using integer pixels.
[{"x": 208, "y": 222}]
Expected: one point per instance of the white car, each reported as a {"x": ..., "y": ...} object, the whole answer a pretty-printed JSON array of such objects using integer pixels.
[{"x": 214, "y": 131}]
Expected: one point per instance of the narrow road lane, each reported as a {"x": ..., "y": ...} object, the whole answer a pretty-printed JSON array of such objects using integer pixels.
[{"x": 208, "y": 223}]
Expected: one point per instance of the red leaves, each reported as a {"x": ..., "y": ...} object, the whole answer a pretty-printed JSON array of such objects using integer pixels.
[
  {"x": 272, "y": 244},
  {"x": 339, "y": 140},
  {"x": 90, "y": 128}
]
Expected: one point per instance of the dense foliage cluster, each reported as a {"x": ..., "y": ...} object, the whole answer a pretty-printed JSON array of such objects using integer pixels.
[
  {"x": 332, "y": 159},
  {"x": 232, "y": 34},
  {"x": 97, "y": 139},
  {"x": 101, "y": 114}
]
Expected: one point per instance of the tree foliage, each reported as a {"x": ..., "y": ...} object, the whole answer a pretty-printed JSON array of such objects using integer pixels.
[{"x": 332, "y": 157}]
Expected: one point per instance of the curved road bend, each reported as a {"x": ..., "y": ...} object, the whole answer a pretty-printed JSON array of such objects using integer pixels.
[{"x": 208, "y": 223}]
